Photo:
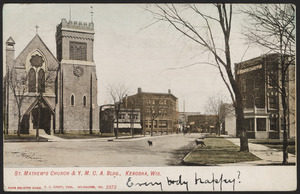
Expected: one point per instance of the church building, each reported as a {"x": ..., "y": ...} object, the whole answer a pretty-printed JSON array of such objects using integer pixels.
[{"x": 54, "y": 94}]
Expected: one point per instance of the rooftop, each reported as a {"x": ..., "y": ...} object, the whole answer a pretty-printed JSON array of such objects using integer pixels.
[{"x": 75, "y": 25}]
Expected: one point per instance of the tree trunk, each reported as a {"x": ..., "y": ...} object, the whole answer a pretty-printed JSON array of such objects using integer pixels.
[
  {"x": 38, "y": 122},
  {"x": 240, "y": 130},
  {"x": 19, "y": 124},
  {"x": 117, "y": 130},
  {"x": 151, "y": 132},
  {"x": 284, "y": 107}
]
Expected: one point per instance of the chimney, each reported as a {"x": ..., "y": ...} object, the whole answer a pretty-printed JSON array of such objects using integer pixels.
[
  {"x": 10, "y": 52},
  {"x": 169, "y": 91},
  {"x": 139, "y": 90}
]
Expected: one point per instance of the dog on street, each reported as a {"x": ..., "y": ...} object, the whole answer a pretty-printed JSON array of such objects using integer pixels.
[
  {"x": 150, "y": 143},
  {"x": 200, "y": 142}
]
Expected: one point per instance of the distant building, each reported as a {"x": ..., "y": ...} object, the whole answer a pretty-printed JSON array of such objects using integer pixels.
[
  {"x": 107, "y": 117},
  {"x": 258, "y": 80},
  {"x": 128, "y": 119},
  {"x": 202, "y": 123},
  {"x": 183, "y": 119},
  {"x": 162, "y": 108}
]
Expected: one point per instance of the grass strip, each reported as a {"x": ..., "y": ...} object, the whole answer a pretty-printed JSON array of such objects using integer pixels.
[{"x": 218, "y": 151}]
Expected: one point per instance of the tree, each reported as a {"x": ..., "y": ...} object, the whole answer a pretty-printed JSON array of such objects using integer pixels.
[
  {"x": 215, "y": 106},
  {"x": 273, "y": 26},
  {"x": 117, "y": 93},
  {"x": 156, "y": 108},
  {"x": 15, "y": 83},
  {"x": 213, "y": 23}
]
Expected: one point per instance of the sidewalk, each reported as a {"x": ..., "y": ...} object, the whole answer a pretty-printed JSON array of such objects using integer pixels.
[
  {"x": 53, "y": 138},
  {"x": 267, "y": 155}
]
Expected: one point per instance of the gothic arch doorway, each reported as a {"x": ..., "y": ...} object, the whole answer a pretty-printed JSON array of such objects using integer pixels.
[{"x": 39, "y": 116}]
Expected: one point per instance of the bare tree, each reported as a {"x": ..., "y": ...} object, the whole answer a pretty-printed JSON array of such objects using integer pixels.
[
  {"x": 117, "y": 93},
  {"x": 16, "y": 83},
  {"x": 273, "y": 26},
  {"x": 222, "y": 18},
  {"x": 132, "y": 105},
  {"x": 216, "y": 106},
  {"x": 155, "y": 108}
]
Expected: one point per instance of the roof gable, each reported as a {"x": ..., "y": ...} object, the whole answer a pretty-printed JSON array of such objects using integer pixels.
[{"x": 37, "y": 44}]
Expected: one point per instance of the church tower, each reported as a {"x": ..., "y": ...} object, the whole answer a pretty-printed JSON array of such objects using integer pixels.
[{"x": 77, "y": 82}]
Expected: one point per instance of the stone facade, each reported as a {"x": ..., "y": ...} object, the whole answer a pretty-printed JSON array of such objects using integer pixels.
[{"x": 61, "y": 91}]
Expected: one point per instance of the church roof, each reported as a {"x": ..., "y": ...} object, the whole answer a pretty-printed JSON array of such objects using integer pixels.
[{"x": 37, "y": 38}]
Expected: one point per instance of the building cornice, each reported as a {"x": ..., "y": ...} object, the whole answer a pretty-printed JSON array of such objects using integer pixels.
[{"x": 76, "y": 62}]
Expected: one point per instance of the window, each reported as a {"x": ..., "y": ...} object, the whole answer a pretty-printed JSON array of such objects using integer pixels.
[
  {"x": 273, "y": 124},
  {"x": 163, "y": 124},
  {"x": 72, "y": 100},
  {"x": 272, "y": 82},
  {"x": 243, "y": 84},
  {"x": 41, "y": 81},
  {"x": 272, "y": 102},
  {"x": 133, "y": 116},
  {"x": 256, "y": 99},
  {"x": 121, "y": 116},
  {"x": 261, "y": 124},
  {"x": 147, "y": 124},
  {"x": 84, "y": 101},
  {"x": 282, "y": 124},
  {"x": 78, "y": 51},
  {"x": 31, "y": 80}
]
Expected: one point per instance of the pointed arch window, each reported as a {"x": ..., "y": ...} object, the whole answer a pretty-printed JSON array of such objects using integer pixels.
[
  {"x": 31, "y": 80},
  {"x": 41, "y": 81},
  {"x": 84, "y": 101},
  {"x": 72, "y": 100},
  {"x": 78, "y": 51}
]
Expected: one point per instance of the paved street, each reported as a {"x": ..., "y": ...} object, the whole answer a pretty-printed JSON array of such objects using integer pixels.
[{"x": 166, "y": 151}]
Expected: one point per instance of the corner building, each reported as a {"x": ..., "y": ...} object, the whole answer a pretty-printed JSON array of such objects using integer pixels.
[
  {"x": 163, "y": 105},
  {"x": 259, "y": 81}
]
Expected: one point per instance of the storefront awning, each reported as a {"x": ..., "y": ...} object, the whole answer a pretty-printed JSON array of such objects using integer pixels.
[{"x": 128, "y": 125}]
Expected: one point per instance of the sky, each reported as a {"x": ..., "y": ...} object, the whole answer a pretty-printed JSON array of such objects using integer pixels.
[{"x": 129, "y": 50}]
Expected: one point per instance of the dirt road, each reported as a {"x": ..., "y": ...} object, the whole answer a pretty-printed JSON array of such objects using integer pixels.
[{"x": 167, "y": 150}]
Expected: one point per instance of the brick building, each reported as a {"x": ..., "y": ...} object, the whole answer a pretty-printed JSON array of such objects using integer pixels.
[
  {"x": 161, "y": 109},
  {"x": 128, "y": 119},
  {"x": 258, "y": 81},
  {"x": 202, "y": 123},
  {"x": 63, "y": 89}
]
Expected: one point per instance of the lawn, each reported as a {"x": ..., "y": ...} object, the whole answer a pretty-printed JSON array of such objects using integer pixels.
[
  {"x": 23, "y": 137},
  {"x": 275, "y": 144},
  {"x": 218, "y": 151}
]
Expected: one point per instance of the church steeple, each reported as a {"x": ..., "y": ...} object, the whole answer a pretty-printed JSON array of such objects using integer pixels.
[
  {"x": 74, "y": 40},
  {"x": 10, "y": 51}
]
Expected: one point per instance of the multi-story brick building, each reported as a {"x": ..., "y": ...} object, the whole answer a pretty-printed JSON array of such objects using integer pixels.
[
  {"x": 58, "y": 94},
  {"x": 161, "y": 109},
  {"x": 259, "y": 82}
]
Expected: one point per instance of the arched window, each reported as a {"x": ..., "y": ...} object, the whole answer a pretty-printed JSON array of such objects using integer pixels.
[
  {"x": 41, "y": 81},
  {"x": 72, "y": 100},
  {"x": 31, "y": 80},
  {"x": 84, "y": 101}
]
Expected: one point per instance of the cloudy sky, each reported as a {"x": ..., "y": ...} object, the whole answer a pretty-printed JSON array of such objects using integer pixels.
[{"x": 128, "y": 51}]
